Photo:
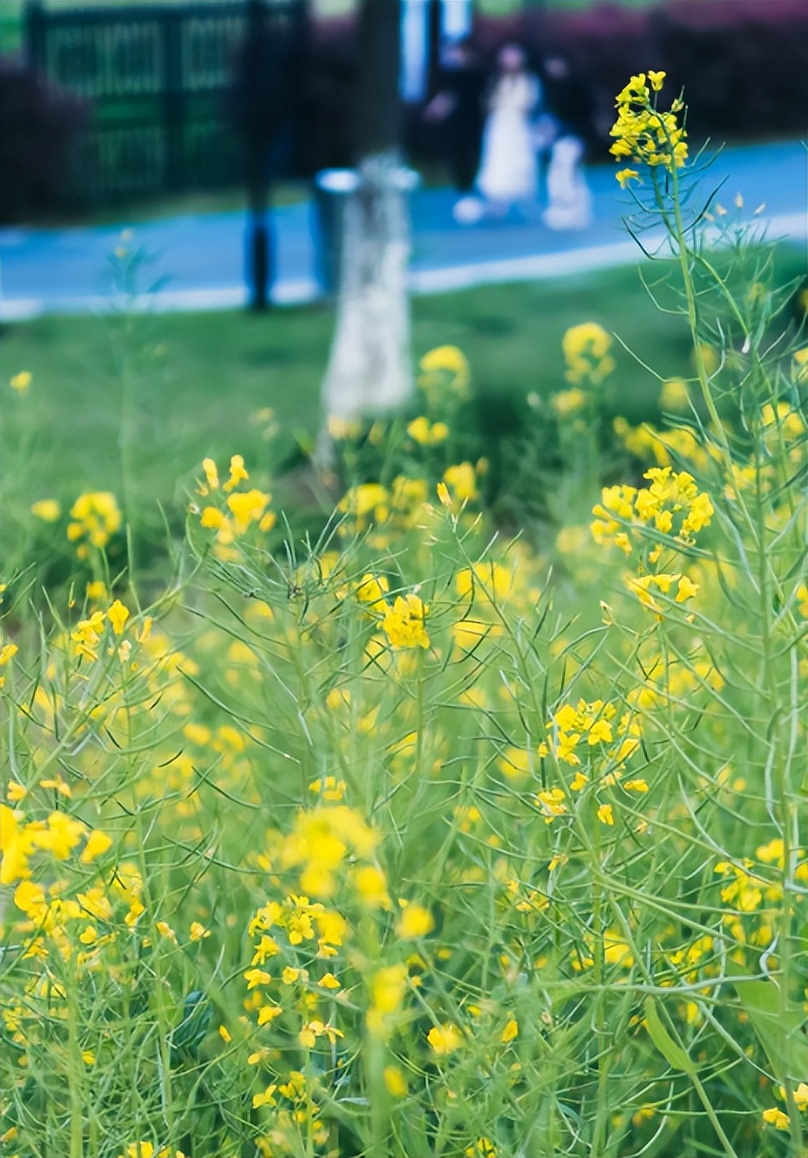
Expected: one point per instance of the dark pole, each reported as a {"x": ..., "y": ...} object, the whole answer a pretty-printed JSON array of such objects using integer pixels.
[
  {"x": 259, "y": 254},
  {"x": 434, "y": 19}
]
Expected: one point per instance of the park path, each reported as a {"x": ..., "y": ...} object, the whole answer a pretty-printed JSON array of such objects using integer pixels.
[{"x": 197, "y": 262}]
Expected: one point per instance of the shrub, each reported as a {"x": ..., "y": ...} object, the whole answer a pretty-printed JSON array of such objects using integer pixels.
[{"x": 40, "y": 128}]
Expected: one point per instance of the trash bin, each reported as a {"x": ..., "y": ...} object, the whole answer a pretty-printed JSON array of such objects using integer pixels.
[{"x": 332, "y": 191}]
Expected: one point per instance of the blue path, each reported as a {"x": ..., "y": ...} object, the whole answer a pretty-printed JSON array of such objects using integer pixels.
[{"x": 198, "y": 260}]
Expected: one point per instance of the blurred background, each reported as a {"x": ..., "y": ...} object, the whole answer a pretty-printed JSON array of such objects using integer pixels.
[{"x": 109, "y": 105}]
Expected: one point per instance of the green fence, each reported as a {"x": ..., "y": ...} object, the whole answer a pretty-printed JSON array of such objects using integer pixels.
[{"x": 156, "y": 79}]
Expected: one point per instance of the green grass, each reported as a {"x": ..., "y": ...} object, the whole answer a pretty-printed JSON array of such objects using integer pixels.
[
  {"x": 161, "y": 392},
  {"x": 196, "y": 378}
]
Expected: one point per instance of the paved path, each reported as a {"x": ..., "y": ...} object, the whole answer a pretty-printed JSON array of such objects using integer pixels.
[{"x": 196, "y": 262}]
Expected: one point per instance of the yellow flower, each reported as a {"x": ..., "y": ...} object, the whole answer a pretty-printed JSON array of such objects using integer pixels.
[
  {"x": 418, "y": 430},
  {"x": 444, "y": 1039},
  {"x": 482, "y": 1148},
  {"x": 139, "y": 1150},
  {"x": 586, "y": 351},
  {"x": 800, "y": 1096},
  {"x": 247, "y": 507},
  {"x": 371, "y": 885},
  {"x": 7, "y": 653},
  {"x": 461, "y": 482},
  {"x": 388, "y": 988},
  {"x": 49, "y": 510},
  {"x": 61, "y": 835},
  {"x": 343, "y": 429},
  {"x": 551, "y": 803},
  {"x": 625, "y": 175},
  {"x": 16, "y": 844},
  {"x": 445, "y": 361},
  {"x": 645, "y": 133},
  {"x": 403, "y": 623},
  {"x": 395, "y": 1081},
  {"x": 686, "y": 589},
  {"x": 599, "y": 733},
  {"x": 605, "y": 814},
  {"x": 211, "y": 519},
  {"x": 256, "y": 977},
  {"x": 372, "y": 589},
  {"x": 237, "y": 473},
  {"x": 425, "y": 434},
  {"x": 268, "y": 1013},
  {"x": 802, "y": 601},
  {"x": 415, "y": 921},
  {"x": 117, "y": 616},
  {"x": 314, "y": 1029},
  {"x": 211, "y": 473},
  {"x": 266, "y": 1098},
  {"x": 20, "y": 382},
  {"x": 510, "y": 1031},
  {"x": 97, "y": 844},
  {"x": 96, "y": 517},
  {"x": 329, "y": 981},
  {"x": 674, "y": 395},
  {"x": 776, "y": 1118},
  {"x": 198, "y": 932},
  {"x": 568, "y": 402}
]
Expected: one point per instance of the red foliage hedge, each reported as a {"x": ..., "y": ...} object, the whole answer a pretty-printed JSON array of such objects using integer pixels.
[{"x": 744, "y": 63}]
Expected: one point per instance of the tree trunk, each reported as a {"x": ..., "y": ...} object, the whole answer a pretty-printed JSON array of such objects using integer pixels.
[{"x": 369, "y": 368}]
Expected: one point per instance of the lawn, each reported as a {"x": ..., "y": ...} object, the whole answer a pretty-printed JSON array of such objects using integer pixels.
[
  {"x": 190, "y": 382},
  {"x": 149, "y": 396}
]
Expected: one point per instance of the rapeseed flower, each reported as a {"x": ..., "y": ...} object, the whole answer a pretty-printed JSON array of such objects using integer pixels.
[
  {"x": 643, "y": 132},
  {"x": 444, "y": 1039},
  {"x": 415, "y": 921},
  {"x": 21, "y": 382},
  {"x": 49, "y": 510},
  {"x": 404, "y": 622}
]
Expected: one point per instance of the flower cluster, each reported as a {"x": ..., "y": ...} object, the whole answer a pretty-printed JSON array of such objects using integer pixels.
[
  {"x": 89, "y": 633},
  {"x": 672, "y": 505},
  {"x": 240, "y": 509},
  {"x": 587, "y": 355},
  {"x": 445, "y": 368},
  {"x": 643, "y": 132},
  {"x": 663, "y": 447},
  {"x": 321, "y": 841},
  {"x": 95, "y": 517},
  {"x": 58, "y": 836},
  {"x": 403, "y": 620},
  {"x": 427, "y": 433}
]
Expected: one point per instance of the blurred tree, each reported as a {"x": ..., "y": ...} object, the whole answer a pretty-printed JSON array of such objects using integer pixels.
[{"x": 369, "y": 367}]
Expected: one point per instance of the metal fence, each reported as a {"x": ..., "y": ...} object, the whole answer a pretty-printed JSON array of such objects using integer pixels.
[{"x": 156, "y": 78}]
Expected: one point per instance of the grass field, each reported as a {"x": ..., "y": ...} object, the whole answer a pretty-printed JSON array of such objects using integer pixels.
[
  {"x": 191, "y": 381},
  {"x": 182, "y": 386}
]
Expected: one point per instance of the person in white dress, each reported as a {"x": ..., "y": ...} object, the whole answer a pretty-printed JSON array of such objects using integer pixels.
[{"x": 508, "y": 171}]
